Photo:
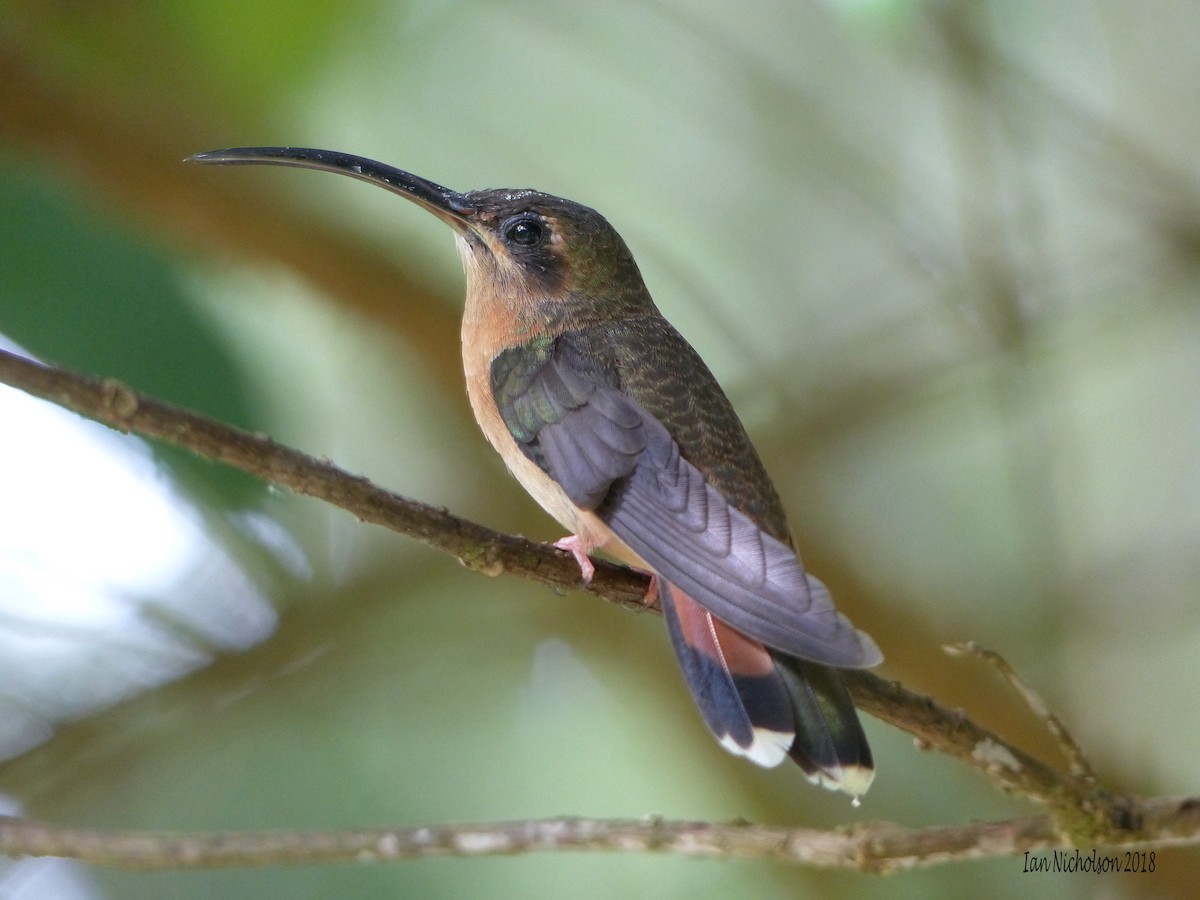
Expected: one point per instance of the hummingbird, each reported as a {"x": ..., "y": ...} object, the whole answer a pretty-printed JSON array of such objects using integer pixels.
[{"x": 610, "y": 419}]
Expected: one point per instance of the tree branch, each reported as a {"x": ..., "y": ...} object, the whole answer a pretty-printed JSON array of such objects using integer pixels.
[
  {"x": 479, "y": 548},
  {"x": 1080, "y": 811},
  {"x": 878, "y": 847}
]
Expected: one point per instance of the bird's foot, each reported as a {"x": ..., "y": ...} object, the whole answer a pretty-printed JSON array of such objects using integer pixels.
[
  {"x": 651, "y": 590},
  {"x": 578, "y": 548}
]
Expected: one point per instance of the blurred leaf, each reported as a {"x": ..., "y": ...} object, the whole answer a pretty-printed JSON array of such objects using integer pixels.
[{"x": 87, "y": 294}]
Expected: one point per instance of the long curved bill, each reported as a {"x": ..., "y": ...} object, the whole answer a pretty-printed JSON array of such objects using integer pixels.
[{"x": 449, "y": 206}]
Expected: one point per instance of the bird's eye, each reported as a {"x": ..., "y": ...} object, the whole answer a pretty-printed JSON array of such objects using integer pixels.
[{"x": 525, "y": 231}]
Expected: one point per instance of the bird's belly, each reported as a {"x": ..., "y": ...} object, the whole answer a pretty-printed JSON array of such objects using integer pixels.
[
  {"x": 554, "y": 500},
  {"x": 541, "y": 487}
]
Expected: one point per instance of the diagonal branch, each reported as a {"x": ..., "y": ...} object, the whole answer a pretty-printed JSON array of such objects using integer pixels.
[
  {"x": 479, "y": 548},
  {"x": 1079, "y": 810}
]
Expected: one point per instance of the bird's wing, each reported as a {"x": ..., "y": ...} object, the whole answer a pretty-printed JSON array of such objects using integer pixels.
[{"x": 611, "y": 456}]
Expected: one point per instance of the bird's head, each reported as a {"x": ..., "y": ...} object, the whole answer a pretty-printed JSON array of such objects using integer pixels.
[{"x": 523, "y": 245}]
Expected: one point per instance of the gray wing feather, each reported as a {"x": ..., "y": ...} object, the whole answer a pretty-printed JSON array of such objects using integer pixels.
[
  {"x": 592, "y": 440},
  {"x": 611, "y": 456},
  {"x": 689, "y": 534}
]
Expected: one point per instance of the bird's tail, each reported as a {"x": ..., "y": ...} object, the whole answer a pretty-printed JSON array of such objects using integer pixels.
[
  {"x": 830, "y": 745},
  {"x": 766, "y": 706}
]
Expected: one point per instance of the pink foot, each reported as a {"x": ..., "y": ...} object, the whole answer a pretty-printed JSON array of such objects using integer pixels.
[
  {"x": 651, "y": 590},
  {"x": 576, "y": 546}
]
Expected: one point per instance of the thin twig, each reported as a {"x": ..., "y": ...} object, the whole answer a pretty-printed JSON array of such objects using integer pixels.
[{"x": 1076, "y": 760}]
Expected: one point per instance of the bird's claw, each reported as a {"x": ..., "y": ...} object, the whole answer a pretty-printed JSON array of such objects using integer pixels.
[
  {"x": 575, "y": 545},
  {"x": 651, "y": 590}
]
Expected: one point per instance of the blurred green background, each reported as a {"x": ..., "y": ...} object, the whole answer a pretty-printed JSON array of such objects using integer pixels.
[{"x": 944, "y": 256}]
